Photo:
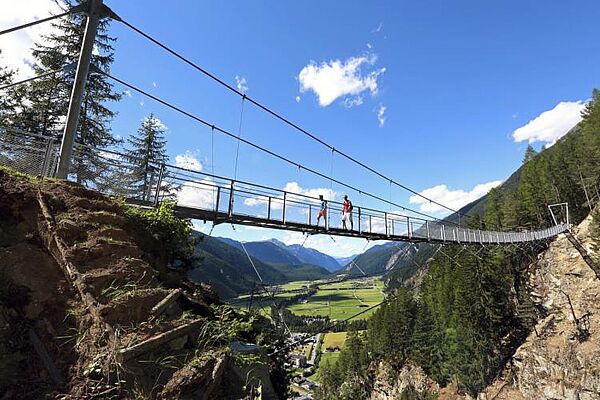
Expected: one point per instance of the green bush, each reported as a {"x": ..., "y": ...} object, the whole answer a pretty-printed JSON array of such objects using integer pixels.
[{"x": 174, "y": 233}]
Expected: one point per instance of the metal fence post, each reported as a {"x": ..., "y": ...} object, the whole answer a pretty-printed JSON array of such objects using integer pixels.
[
  {"x": 45, "y": 171},
  {"x": 83, "y": 67},
  {"x": 283, "y": 211},
  {"x": 217, "y": 200},
  {"x": 230, "y": 209},
  {"x": 269, "y": 208},
  {"x": 386, "y": 224},
  {"x": 161, "y": 175}
]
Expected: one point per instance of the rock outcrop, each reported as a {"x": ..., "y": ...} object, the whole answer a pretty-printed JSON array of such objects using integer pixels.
[{"x": 561, "y": 358}]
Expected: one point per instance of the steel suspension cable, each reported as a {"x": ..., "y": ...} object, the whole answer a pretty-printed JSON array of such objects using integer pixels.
[
  {"x": 39, "y": 21},
  {"x": 280, "y": 117},
  {"x": 33, "y": 78},
  {"x": 265, "y": 150},
  {"x": 237, "y": 151}
]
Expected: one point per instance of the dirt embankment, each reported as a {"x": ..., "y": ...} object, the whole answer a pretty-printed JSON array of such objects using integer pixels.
[{"x": 88, "y": 308}]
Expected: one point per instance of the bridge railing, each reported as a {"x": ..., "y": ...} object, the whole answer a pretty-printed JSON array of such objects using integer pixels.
[
  {"x": 28, "y": 152},
  {"x": 116, "y": 173}
]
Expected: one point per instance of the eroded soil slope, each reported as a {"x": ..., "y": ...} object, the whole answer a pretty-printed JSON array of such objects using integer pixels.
[{"x": 88, "y": 308}]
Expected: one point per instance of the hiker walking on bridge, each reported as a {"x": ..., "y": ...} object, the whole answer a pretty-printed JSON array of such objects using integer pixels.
[
  {"x": 347, "y": 214},
  {"x": 322, "y": 210}
]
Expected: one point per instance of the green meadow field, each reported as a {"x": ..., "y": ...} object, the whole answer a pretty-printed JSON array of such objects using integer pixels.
[{"x": 341, "y": 300}]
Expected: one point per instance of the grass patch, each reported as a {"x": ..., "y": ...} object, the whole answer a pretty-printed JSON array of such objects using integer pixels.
[
  {"x": 341, "y": 300},
  {"x": 334, "y": 339}
]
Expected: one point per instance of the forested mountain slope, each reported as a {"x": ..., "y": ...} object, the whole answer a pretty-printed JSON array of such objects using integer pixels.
[{"x": 476, "y": 307}]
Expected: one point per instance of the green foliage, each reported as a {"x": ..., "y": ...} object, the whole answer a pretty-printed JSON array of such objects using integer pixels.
[
  {"x": 44, "y": 102},
  {"x": 147, "y": 152},
  {"x": 174, "y": 233}
]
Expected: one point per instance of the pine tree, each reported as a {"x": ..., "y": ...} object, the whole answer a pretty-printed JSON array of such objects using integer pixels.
[
  {"x": 48, "y": 98},
  {"x": 146, "y": 154},
  {"x": 493, "y": 210},
  {"x": 9, "y": 97}
]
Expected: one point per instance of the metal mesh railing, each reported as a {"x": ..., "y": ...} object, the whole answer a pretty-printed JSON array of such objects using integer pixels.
[{"x": 28, "y": 152}]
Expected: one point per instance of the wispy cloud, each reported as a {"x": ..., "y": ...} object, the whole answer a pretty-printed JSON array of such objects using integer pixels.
[
  {"x": 127, "y": 93},
  {"x": 241, "y": 83},
  {"x": 551, "y": 125},
  {"x": 381, "y": 115},
  {"x": 379, "y": 28},
  {"x": 335, "y": 78},
  {"x": 298, "y": 99},
  {"x": 454, "y": 199},
  {"x": 350, "y": 102}
]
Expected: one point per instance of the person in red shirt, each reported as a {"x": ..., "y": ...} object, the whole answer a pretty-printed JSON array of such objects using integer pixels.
[{"x": 347, "y": 214}]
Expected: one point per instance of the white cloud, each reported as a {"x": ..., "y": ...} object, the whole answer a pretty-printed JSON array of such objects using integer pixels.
[
  {"x": 350, "y": 102},
  {"x": 16, "y": 46},
  {"x": 334, "y": 79},
  {"x": 381, "y": 115},
  {"x": 454, "y": 199},
  {"x": 153, "y": 84},
  {"x": 188, "y": 160},
  {"x": 550, "y": 125},
  {"x": 201, "y": 194},
  {"x": 241, "y": 83},
  {"x": 379, "y": 28},
  {"x": 127, "y": 93},
  {"x": 292, "y": 188},
  {"x": 298, "y": 99},
  {"x": 369, "y": 46},
  {"x": 142, "y": 103}
]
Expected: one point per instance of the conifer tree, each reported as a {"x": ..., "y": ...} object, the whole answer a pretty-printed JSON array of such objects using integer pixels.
[
  {"x": 9, "y": 97},
  {"x": 146, "y": 153}
]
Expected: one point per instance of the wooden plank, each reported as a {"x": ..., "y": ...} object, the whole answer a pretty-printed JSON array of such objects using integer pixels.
[
  {"x": 42, "y": 353},
  {"x": 159, "y": 308},
  {"x": 158, "y": 340}
]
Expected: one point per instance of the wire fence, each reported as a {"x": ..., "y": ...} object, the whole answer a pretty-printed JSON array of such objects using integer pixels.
[{"x": 28, "y": 152}]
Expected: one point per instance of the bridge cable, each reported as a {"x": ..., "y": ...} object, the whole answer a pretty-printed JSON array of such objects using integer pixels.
[
  {"x": 33, "y": 78},
  {"x": 39, "y": 21},
  {"x": 237, "y": 151},
  {"x": 263, "y": 149},
  {"x": 280, "y": 117},
  {"x": 266, "y": 290}
]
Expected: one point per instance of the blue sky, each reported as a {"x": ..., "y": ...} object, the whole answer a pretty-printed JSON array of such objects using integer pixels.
[{"x": 459, "y": 82}]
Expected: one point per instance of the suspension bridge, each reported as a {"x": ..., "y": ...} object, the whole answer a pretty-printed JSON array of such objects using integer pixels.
[
  {"x": 227, "y": 200},
  {"x": 220, "y": 199}
]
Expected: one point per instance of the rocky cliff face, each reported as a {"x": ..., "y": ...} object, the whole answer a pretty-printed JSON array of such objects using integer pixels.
[{"x": 560, "y": 359}]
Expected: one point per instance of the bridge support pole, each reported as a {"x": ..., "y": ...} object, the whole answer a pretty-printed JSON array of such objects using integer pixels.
[{"x": 94, "y": 14}]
